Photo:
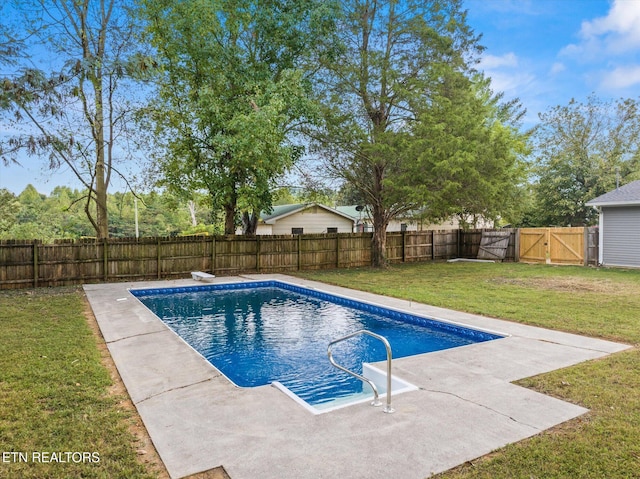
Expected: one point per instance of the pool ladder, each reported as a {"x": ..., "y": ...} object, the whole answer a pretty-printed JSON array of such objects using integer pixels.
[{"x": 376, "y": 400}]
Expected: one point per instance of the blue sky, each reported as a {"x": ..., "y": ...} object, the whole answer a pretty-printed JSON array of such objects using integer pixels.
[
  {"x": 546, "y": 52},
  {"x": 543, "y": 52}
]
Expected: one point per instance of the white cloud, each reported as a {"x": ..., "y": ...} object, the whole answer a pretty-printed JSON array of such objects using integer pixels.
[
  {"x": 490, "y": 62},
  {"x": 616, "y": 33},
  {"x": 506, "y": 73},
  {"x": 556, "y": 68},
  {"x": 622, "y": 77}
]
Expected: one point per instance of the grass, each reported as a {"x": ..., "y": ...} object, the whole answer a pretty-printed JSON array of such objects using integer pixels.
[
  {"x": 56, "y": 395},
  {"x": 59, "y": 417},
  {"x": 602, "y": 303}
]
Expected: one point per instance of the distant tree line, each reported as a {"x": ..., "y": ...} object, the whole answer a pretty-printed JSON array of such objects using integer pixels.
[
  {"x": 32, "y": 215},
  {"x": 59, "y": 215}
]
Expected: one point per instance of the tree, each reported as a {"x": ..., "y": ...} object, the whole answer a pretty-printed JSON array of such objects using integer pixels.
[
  {"x": 468, "y": 152},
  {"x": 9, "y": 206},
  {"x": 11, "y": 48},
  {"x": 74, "y": 113},
  {"x": 231, "y": 91},
  {"x": 395, "y": 54},
  {"x": 582, "y": 151}
]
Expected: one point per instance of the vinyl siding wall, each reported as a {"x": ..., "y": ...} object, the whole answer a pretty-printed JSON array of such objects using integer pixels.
[
  {"x": 620, "y": 236},
  {"x": 312, "y": 220}
]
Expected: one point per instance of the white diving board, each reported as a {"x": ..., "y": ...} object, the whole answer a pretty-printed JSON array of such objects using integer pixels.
[{"x": 201, "y": 276}]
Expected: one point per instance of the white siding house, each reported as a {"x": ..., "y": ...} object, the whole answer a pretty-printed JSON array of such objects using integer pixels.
[
  {"x": 619, "y": 226},
  {"x": 303, "y": 219},
  {"x": 405, "y": 223}
]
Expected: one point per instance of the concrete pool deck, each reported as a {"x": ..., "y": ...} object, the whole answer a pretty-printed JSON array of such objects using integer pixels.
[{"x": 465, "y": 406}]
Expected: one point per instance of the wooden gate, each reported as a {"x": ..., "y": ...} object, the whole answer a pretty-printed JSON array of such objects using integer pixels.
[
  {"x": 552, "y": 245},
  {"x": 494, "y": 244}
]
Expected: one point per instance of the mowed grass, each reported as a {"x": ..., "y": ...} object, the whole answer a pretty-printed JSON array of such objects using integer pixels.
[
  {"x": 604, "y": 303},
  {"x": 57, "y": 396},
  {"x": 58, "y": 415}
]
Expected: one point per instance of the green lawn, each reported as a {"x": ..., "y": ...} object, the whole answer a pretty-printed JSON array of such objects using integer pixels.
[
  {"x": 56, "y": 394},
  {"x": 605, "y": 443},
  {"x": 58, "y": 415}
]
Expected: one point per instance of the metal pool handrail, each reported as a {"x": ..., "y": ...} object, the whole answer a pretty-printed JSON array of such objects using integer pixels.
[{"x": 376, "y": 401}]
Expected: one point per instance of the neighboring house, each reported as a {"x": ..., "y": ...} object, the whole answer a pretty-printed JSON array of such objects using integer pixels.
[
  {"x": 619, "y": 226},
  {"x": 303, "y": 219},
  {"x": 404, "y": 223}
]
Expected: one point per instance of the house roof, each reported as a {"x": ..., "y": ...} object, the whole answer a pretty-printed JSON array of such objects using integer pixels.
[
  {"x": 628, "y": 194},
  {"x": 281, "y": 211},
  {"x": 352, "y": 211}
]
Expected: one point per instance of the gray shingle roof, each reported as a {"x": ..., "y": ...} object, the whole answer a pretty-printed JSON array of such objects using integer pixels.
[{"x": 628, "y": 194}]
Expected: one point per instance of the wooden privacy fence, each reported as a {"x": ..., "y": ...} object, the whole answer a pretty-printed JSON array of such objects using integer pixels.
[
  {"x": 26, "y": 264},
  {"x": 578, "y": 245}
]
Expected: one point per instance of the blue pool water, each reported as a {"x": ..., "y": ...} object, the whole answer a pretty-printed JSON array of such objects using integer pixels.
[{"x": 260, "y": 332}]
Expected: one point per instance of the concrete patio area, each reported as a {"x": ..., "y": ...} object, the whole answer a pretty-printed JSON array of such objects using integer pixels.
[{"x": 465, "y": 406}]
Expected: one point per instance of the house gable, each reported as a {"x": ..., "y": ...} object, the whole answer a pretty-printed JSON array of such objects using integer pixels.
[{"x": 307, "y": 218}]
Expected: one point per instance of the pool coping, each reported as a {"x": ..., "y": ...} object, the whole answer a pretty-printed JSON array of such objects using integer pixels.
[{"x": 466, "y": 405}]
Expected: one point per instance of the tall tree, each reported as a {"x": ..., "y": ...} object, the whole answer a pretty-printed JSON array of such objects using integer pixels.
[
  {"x": 468, "y": 152},
  {"x": 231, "y": 91},
  {"x": 74, "y": 112},
  {"x": 395, "y": 53},
  {"x": 583, "y": 150},
  {"x": 11, "y": 49}
]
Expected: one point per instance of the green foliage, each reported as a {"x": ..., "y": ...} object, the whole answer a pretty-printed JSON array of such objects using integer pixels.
[
  {"x": 36, "y": 216},
  {"x": 9, "y": 206},
  {"x": 408, "y": 123},
  {"x": 469, "y": 153},
  {"x": 32, "y": 215},
  {"x": 582, "y": 149},
  {"x": 76, "y": 111},
  {"x": 231, "y": 88}
]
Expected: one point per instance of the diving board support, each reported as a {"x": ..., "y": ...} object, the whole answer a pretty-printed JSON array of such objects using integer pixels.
[{"x": 376, "y": 400}]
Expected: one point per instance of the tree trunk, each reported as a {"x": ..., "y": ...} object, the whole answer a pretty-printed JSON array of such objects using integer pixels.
[
  {"x": 230, "y": 219},
  {"x": 102, "y": 218},
  {"x": 379, "y": 240},
  {"x": 249, "y": 223},
  {"x": 192, "y": 212}
]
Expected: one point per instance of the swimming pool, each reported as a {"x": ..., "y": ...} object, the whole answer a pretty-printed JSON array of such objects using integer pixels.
[{"x": 257, "y": 333}]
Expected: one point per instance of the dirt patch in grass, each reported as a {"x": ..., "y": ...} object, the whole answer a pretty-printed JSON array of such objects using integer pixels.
[{"x": 570, "y": 284}]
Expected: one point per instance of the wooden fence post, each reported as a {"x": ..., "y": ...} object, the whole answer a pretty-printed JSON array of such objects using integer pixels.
[
  {"x": 299, "y": 252},
  {"x": 105, "y": 259},
  {"x": 337, "y": 250},
  {"x": 404, "y": 244},
  {"x": 213, "y": 255},
  {"x": 585, "y": 246},
  {"x": 36, "y": 273},
  {"x": 159, "y": 258},
  {"x": 433, "y": 245},
  {"x": 257, "y": 253}
]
